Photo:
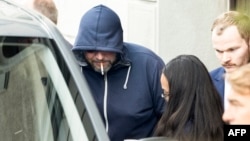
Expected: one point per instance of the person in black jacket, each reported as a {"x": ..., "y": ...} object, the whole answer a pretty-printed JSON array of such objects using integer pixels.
[{"x": 194, "y": 110}]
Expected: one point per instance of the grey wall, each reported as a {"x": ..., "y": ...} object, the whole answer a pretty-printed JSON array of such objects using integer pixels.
[
  {"x": 174, "y": 27},
  {"x": 184, "y": 28}
]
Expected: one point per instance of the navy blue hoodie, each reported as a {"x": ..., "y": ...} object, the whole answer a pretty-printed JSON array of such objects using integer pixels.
[{"x": 128, "y": 96}]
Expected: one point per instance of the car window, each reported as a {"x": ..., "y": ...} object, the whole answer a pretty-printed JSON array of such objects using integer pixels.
[{"x": 36, "y": 103}]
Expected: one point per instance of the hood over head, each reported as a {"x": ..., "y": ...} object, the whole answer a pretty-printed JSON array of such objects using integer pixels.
[{"x": 100, "y": 29}]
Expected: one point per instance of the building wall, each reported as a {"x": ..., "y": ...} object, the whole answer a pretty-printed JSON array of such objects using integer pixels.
[
  {"x": 174, "y": 27},
  {"x": 184, "y": 28}
]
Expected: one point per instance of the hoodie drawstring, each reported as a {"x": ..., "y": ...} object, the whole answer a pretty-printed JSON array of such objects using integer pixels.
[{"x": 126, "y": 81}]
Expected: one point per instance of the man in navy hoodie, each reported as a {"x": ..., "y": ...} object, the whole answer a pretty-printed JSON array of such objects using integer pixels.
[{"x": 124, "y": 78}]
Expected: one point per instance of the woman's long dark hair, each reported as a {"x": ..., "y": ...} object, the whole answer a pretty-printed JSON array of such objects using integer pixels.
[{"x": 194, "y": 110}]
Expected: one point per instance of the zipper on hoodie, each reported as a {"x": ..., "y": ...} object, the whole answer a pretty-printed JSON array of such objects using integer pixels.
[{"x": 105, "y": 102}]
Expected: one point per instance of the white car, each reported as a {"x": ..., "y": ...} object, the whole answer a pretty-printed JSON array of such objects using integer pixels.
[{"x": 43, "y": 95}]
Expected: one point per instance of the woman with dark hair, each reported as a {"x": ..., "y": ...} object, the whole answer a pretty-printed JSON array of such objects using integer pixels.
[{"x": 193, "y": 109}]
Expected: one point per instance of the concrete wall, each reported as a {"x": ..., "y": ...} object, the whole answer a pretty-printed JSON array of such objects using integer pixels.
[
  {"x": 184, "y": 28},
  {"x": 174, "y": 27}
]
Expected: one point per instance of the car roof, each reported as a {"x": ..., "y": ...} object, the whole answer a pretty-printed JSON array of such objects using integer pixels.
[{"x": 26, "y": 22}]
